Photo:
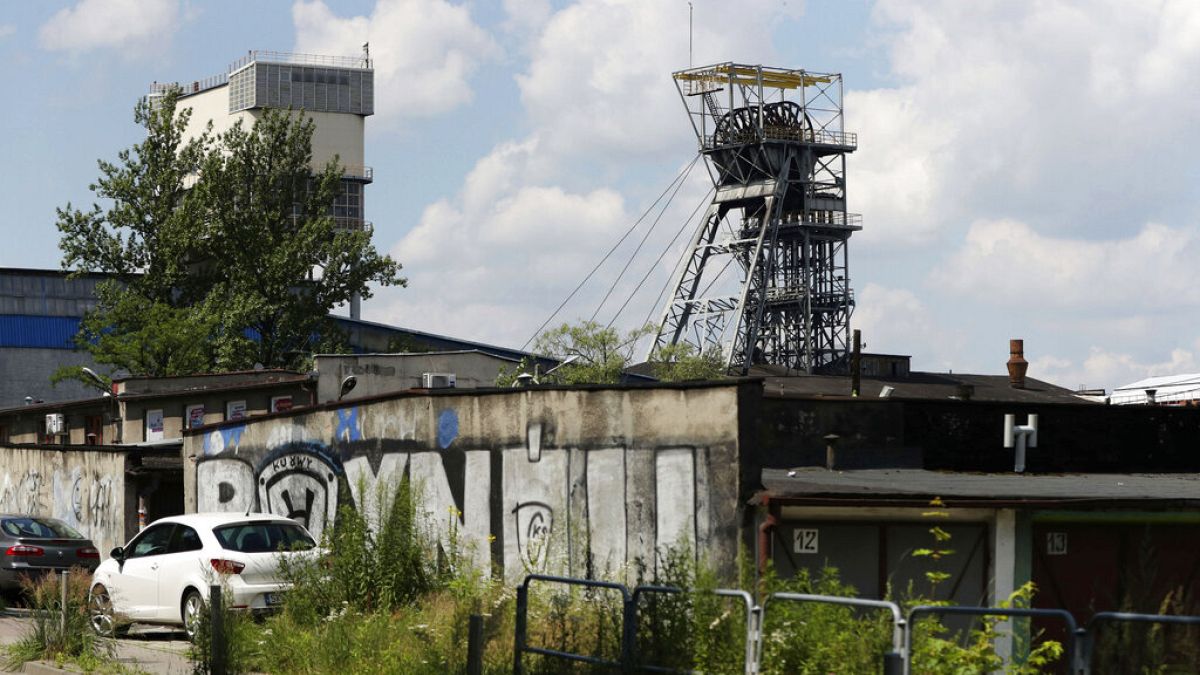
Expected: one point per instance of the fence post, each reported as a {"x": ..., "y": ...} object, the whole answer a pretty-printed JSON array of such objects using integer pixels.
[
  {"x": 628, "y": 633},
  {"x": 475, "y": 645},
  {"x": 893, "y": 663},
  {"x": 519, "y": 632},
  {"x": 63, "y": 606},
  {"x": 216, "y": 633}
]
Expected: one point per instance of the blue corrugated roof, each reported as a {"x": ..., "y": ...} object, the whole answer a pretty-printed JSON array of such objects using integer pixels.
[{"x": 46, "y": 332}]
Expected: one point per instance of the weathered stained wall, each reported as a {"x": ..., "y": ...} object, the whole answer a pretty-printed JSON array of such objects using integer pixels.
[
  {"x": 584, "y": 481},
  {"x": 84, "y": 488},
  {"x": 954, "y": 435}
]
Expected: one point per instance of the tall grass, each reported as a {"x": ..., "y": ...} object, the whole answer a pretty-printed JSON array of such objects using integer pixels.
[
  {"x": 60, "y": 633},
  {"x": 387, "y": 597}
]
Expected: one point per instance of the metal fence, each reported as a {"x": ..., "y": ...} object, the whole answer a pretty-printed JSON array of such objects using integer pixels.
[{"x": 1078, "y": 648}]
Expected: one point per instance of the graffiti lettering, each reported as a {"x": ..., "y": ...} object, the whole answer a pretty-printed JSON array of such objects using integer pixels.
[{"x": 534, "y": 522}]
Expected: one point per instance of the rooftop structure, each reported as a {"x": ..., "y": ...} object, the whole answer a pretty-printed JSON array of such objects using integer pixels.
[
  {"x": 776, "y": 149},
  {"x": 337, "y": 93},
  {"x": 1163, "y": 390}
]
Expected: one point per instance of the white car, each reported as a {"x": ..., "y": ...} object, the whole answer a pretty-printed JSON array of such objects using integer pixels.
[{"x": 162, "y": 576}]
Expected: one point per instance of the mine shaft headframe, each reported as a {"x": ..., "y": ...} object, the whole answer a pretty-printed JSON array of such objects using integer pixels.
[{"x": 756, "y": 100}]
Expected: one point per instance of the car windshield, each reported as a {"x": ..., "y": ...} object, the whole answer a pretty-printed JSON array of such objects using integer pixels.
[
  {"x": 263, "y": 536},
  {"x": 41, "y": 528}
]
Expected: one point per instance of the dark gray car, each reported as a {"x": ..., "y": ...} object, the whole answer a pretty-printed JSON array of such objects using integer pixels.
[{"x": 32, "y": 545}]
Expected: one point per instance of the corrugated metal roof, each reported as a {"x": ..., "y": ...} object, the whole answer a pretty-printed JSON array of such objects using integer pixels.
[{"x": 46, "y": 332}]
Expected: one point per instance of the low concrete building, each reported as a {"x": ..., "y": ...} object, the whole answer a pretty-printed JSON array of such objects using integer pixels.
[
  {"x": 97, "y": 490},
  {"x": 382, "y": 373},
  {"x": 593, "y": 481},
  {"x": 155, "y": 410}
]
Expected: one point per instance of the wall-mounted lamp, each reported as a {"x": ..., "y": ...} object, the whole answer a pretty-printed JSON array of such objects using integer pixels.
[{"x": 348, "y": 383}]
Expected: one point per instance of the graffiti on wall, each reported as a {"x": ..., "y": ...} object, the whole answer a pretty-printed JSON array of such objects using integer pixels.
[
  {"x": 85, "y": 500},
  {"x": 529, "y": 507}
]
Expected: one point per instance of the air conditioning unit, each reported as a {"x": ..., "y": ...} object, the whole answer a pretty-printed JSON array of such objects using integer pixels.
[
  {"x": 55, "y": 424},
  {"x": 437, "y": 380}
]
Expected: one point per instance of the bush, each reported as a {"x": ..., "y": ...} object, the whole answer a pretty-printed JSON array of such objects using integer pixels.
[{"x": 50, "y": 638}]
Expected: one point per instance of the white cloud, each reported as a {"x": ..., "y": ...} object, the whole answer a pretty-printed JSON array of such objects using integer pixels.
[
  {"x": 896, "y": 321},
  {"x": 120, "y": 24},
  {"x": 425, "y": 51},
  {"x": 1045, "y": 112},
  {"x": 1107, "y": 369},
  {"x": 599, "y": 81},
  {"x": 1009, "y": 263},
  {"x": 492, "y": 262},
  {"x": 525, "y": 17}
]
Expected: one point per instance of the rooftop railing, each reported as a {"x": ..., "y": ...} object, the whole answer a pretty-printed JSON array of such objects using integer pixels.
[
  {"x": 289, "y": 58},
  {"x": 841, "y": 139},
  {"x": 360, "y": 173},
  {"x": 193, "y": 87}
]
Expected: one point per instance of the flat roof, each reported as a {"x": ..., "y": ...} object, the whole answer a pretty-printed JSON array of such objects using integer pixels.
[
  {"x": 917, "y": 386},
  {"x": 814, "y": 482}
]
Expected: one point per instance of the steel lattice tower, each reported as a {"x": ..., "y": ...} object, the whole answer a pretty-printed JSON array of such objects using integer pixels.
[{"x": 776, "y": 150}]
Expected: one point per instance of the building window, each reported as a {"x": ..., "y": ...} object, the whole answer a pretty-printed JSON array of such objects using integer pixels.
[{"x": 93, "y": 430}]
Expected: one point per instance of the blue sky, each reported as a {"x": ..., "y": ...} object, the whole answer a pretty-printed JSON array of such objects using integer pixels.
[{"x": 1026, "y": 169}]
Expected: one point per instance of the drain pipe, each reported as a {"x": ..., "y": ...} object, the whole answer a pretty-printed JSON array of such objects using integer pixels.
[{"x": 764, "y": 536}]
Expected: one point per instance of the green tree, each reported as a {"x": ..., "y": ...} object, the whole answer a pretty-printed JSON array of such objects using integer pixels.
[
  {"x": 681, "y": 362},
  {"x": 601, "y": 353},
  {"x": 221, "y": 249}
]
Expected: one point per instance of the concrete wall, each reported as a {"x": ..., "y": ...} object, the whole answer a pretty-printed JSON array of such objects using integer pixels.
[
  {"x": 174, "y": 407},
  {"x": 85, "y": 489},
  {"x": 576, "y": 481},
  {"x": 336, "y": 134},
  {"x": 384, "y": 373}
]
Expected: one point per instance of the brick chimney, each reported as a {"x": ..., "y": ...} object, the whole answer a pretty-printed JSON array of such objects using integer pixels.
[{"x": 1017, "y": 365}]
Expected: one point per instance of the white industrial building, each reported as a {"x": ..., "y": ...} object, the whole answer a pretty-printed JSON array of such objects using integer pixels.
[
  {"x": 337, "y": 93},
  {"x": 1162, "y": 390}
]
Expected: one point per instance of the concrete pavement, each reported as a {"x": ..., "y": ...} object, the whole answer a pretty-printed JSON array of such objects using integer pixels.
[{"x": 148, "y": 649}]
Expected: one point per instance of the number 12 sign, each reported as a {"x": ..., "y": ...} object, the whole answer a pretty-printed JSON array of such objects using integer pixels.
[{"x": 804, "y": 540}]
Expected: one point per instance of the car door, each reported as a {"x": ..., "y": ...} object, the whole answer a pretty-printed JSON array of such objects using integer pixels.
[
  {"x": 180, "y": 565},
  {"x": 134, "y": 589}
]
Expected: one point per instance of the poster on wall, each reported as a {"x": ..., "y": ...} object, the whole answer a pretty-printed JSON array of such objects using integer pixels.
[
  {"x": 154, "y": 425},
  {"x": 235, "y": 410},
  {"x": 281, "y": 403},
  {"x": 195, "y": 415}
]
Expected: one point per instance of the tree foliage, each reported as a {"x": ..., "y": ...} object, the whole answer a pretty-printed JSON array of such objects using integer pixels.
[
  {"x": 601, "y": 354},
  {"x": 681, "y": 362},
  {"x": 220, "y": 248}
]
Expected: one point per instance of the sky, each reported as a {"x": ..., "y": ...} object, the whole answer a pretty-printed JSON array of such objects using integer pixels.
[{"x": 1025, "y": 169}]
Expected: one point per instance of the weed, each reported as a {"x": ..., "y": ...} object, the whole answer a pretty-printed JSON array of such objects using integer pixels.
[{"x": 60, "y": 633}]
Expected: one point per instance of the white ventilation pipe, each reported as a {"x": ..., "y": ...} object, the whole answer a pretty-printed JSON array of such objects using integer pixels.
[{"x": 1020, "y": 437}]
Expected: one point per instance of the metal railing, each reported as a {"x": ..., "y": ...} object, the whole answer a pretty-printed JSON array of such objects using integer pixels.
[
  {"x": 753, "y": 622},
  {"x": 841, "y": 139},
  {"x": 1077, "y": 648},
  {"x": 293, "y": 59},
  {"x": 893, "y": 662},
  {"x": 193, "y": 87},
  {"x": 365, "y": 174},
  {"x": 1085, "y": 639},
  {"x": 1012, "y": 612},
  {"x": 521, "y": 637}
]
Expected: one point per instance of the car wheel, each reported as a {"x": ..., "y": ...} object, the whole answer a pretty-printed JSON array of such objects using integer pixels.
[
  {"x": 193, "y": 611},
  {"x": 102, "y": 617}
]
